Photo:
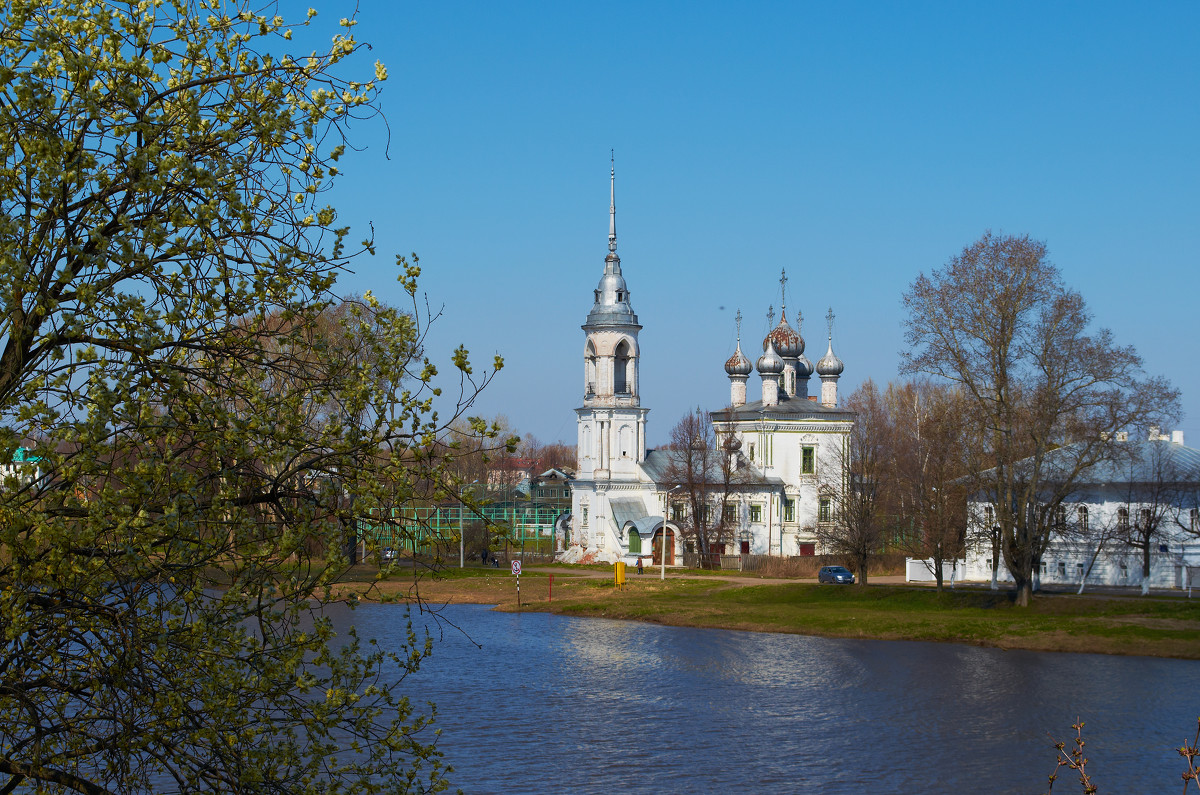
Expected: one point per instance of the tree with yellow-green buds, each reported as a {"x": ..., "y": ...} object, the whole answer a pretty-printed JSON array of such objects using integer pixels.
[{"x": 200, "y": 420}]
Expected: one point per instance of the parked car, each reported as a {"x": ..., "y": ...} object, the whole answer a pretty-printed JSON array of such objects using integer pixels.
[
  {"x": 388, "y": 554},
  {"x": 835, "y": 574}
]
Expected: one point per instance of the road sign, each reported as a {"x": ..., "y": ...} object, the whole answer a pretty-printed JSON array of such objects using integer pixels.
[{"x": 516, "y": 567}]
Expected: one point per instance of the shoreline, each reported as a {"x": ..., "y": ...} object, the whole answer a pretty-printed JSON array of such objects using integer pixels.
[{"x": 1119, "y": 624}]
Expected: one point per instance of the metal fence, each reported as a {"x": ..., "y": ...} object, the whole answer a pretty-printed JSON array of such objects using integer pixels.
[{"x": 418, "y": 530}]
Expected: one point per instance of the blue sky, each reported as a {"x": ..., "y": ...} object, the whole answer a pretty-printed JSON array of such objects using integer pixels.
[{"x": 855, "y": 144}]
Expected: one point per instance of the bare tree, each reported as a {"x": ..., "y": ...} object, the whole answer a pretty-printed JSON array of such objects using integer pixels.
[
  {"x": 859, "y": 484},
  {"x": 1092, "y": 535},
  {"x": 556, "y": 455},
  {"x": 710, "y": 469},
  {"x": 927, "y": 464},
  {"x": 998, "y": 321},
  {"x": 1159, "y": 479}
]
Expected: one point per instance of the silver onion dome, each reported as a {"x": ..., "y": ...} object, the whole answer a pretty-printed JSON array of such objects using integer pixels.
[
  {"x": 770, "y": 363},
  {"x": 738, "y": 364},
  {"x": 804, "y": 368},
  {"x": 830, "y": 364}
]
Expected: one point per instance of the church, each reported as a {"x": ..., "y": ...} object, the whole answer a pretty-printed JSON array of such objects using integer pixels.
[{"x": 787, "y": 447}]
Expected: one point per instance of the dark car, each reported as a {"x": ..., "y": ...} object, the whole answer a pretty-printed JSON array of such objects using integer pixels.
[{"x": 835, "y": 574}]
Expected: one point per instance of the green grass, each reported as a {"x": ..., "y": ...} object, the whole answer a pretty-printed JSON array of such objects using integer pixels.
[{"x": 1165, "y": 627}]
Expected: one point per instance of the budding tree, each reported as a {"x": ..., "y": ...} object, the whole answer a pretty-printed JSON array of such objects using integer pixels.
[{"x": 206, "y": 432}]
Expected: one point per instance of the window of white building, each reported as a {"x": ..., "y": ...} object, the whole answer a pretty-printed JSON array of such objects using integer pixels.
[
  {"x": 825, "y": 510},
  {"x": 1083, "y": 518},
  {"x": 756, "y": 512},
  {"x": 1122, "y": 518},
  {"x": 789, "y": 510},
  {"x": 808, "y": 461}
]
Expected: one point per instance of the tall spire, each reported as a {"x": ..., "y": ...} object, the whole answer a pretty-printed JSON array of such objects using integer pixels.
[
  {"x": 612, "y": 203},
  {"x": 783, "y": 293},
  {"x": 739, "y": 327}
]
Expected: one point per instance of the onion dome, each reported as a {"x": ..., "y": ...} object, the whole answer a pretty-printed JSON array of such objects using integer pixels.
[
  {"x": 830, "y": 364},
  {"x": 804, "y": 368},
  {"x": 738, "y": 364},
  {"x": 732, "y": 444},
  {"x": 770, "y": 363},
  {"x": 787, "y": 341}
]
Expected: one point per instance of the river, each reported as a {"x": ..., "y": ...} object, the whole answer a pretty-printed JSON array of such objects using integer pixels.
[{"x": 537, "y": 703}]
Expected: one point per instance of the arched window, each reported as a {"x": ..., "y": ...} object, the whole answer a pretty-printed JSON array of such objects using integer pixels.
[
  {"x": 589, "y": 367},
  {"x": 621, "y": 369},
  {"x": 635, "y": 541},
  {"x": 1083, "y": 518}
]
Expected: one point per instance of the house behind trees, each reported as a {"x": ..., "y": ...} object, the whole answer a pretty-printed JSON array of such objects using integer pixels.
[{"x": 1132, "y": 519}]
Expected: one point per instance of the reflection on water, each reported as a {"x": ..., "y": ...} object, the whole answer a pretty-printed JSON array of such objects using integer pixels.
[{"x": 551, "y": 704}]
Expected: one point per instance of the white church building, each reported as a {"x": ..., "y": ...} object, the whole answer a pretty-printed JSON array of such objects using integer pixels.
[{"x": 789, "y": 444}]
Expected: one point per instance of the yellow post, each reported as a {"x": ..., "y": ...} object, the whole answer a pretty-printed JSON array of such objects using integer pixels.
[{"x": 619, "y": 574}]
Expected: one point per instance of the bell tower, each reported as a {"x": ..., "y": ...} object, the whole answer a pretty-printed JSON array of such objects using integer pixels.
[{"x": 612, "y": 423}]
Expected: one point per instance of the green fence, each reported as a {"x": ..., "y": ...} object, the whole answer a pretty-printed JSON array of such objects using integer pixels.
[{"x": 421, "y": 529}]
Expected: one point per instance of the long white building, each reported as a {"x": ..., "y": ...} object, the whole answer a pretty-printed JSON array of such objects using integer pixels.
[{"x": 1153, "y": 482}]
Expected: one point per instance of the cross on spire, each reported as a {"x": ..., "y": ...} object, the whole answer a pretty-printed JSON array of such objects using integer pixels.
[
  {"x": 829, "y": 320},
  {"x": 783, "y": 292},
  {"x": 738, "y": 318},
  {"x": 771, "y": 317}
]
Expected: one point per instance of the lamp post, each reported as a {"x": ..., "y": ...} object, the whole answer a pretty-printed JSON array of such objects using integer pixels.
[{"x": 662, "y": 547}]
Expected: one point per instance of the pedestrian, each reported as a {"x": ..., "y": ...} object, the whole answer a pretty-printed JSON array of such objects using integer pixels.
[
  {"x": 639, "y": 564},
  {"x": 483, "y": 557}
]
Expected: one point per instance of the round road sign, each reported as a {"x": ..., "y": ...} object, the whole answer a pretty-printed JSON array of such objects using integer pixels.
[{"x": 516, "y": 567}]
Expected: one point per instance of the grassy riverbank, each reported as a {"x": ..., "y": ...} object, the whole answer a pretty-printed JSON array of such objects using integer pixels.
[{"x": 1157, "y": 626}]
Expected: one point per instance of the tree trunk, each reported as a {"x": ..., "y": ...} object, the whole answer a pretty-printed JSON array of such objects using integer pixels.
[
  {"x": 995, "y": 564},
  {"x": 937, "y": 573},
  {"x": 1024, "y": 593},
  {"x": 1146, "y": 569}
]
